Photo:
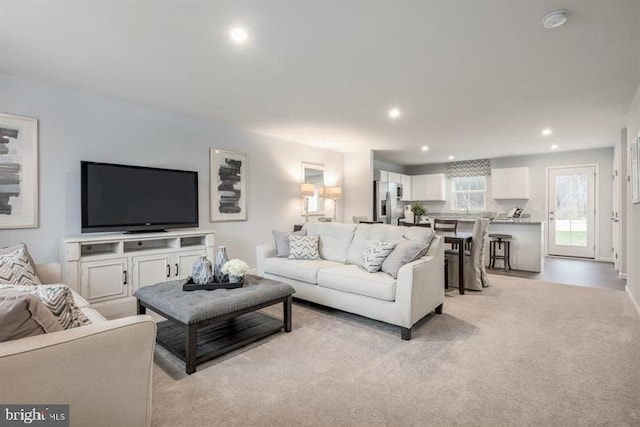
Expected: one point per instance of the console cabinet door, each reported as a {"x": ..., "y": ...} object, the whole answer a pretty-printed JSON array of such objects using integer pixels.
[
  {"x": 104, "y": 279},
  {"x": 183, "y": 264},
  {"x": 150, "y": 269}
]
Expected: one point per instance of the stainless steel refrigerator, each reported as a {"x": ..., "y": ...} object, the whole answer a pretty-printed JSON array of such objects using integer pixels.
[{"x": 386, "y": 207}]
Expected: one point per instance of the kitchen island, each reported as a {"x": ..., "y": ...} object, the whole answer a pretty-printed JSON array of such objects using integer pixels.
[{"x": 527, "y": 243}]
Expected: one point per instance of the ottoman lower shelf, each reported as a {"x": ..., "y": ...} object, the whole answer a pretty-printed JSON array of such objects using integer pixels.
[{"x": 220, "y": 337}]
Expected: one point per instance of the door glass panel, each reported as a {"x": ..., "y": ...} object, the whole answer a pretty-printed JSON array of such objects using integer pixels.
[{"x": 571, "y": 210}]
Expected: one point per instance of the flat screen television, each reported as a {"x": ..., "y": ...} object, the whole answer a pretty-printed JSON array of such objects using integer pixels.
[{"x": 136, "y": 198}]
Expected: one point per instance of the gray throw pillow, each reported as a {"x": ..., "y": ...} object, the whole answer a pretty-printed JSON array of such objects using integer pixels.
[
  {"x": 281, "y": 239},
  {"x": 375, "y": 254},
  {"x": 405, "y": 252},
  {"x": 24, "y": 315},
  {"x": 59, "y": 300}
]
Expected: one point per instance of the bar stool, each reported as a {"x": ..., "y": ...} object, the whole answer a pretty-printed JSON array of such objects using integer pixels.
[{"x": 497, "y": 240}]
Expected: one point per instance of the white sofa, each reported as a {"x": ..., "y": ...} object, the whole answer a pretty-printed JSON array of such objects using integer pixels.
[
  {"x": 337, "y": 281},
  {"x": 102, "y": 370}
]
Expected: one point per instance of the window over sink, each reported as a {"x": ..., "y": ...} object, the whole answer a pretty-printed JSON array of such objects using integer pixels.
[{"x": 468, "y": 193}]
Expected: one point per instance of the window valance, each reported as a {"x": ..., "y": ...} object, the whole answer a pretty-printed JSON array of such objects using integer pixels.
[{"x": 480, "y": 167}]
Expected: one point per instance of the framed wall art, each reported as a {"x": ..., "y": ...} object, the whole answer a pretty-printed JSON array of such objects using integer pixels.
[
  {"x": 228, "y": 185},
  {"x": 18, "y": 172}
]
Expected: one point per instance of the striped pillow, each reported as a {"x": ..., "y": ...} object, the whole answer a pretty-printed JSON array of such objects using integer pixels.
[
  {"x": 59, "y": 300},
  {"x": 375, "y": 254},
  {"x": 304, "y": 247},
  {"x": 16, "y": 267}
]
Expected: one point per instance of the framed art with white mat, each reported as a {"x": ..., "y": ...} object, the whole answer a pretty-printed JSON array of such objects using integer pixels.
[
  {"x": 18, "y": 171},
  {"x": 228, "y": 182}
]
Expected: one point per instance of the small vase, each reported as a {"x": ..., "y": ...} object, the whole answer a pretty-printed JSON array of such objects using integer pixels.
[
  {"x": 202, "y": 272},
  {"x": 221, "y": 259},
  {"x": 235, "y": 279},
  {"x": 417, "y": 219}
]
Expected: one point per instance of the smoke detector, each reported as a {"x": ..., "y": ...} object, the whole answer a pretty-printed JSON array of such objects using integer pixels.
[{"x": 555, "y": 19}]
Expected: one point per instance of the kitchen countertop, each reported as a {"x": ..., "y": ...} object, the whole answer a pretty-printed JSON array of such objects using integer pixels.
[{"x": 519, "y": 221}]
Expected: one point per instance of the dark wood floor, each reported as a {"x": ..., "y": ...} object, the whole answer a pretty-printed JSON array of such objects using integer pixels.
[{"x": 579, "y": 272}]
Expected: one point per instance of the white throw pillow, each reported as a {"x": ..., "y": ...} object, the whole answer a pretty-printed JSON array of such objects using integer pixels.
[
  {"x": 303, "y": 247},
  {"x": 374, "y": 255}
]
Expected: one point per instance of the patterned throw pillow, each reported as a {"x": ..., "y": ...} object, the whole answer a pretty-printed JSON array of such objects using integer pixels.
[
  {"x": 304, "y": 247},
  {"x": 374, "y": 255},
  {"x": 281, "y": 239},
  {"x": 59, "y": 300},
  {"x": 16, "y": 267}
]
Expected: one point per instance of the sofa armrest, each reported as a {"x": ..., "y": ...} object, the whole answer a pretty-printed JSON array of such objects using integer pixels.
[
  {"x": 49, "y": 273},
  {"x": 420, "y": 284},
  {"x": 262, "y": 253},
  {"x": 103, "y": 371}
]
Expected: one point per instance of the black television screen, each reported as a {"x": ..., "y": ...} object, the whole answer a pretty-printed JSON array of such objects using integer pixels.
[{"x": 135, "y": 198}]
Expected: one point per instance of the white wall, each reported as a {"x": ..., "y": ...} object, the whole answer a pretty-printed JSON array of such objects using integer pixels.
[
  {"x": 535, "y": 206},
  {"x": 76, "y": 126},
  {"x": 358, "y": 182},
  {"x": 633, "y": 210}
]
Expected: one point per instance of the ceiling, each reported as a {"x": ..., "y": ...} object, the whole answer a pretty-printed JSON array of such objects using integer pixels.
[{"x": 473, "y": 78}]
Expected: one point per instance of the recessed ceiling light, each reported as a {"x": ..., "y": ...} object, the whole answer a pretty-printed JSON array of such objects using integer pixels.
[
  {"x": 555, "y": 19},
  {"x": 554, "y": 147},
  {"x": 547, "y": 132},
  {"x": 451, "y": 157},
  {"x": 5, "y": 136},
  {"x": 394, "y": 113},
  {"x": 425, "y": 148},
  {"x": 238, "y": 35}
]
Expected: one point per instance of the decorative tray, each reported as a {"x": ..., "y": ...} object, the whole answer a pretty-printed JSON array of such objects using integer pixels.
[{"x": 191, "y": 286}]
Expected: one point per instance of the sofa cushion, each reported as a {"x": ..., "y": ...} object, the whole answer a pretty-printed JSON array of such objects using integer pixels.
[
  {"x": 386, "y": 233},
  {"x": 281, "y": 239},
  {"x": 335, "y": 239},
  {"x": 59, "y": 300},
  {"x": 23, "y": 315},
  {"x": 302, "y": 270},
  {"x": 375, "y": 254},
  {"x": 304, "y": 247},
  {"x": 16, "y": 267},
  {"x": 405, "y": 252},
  {"x": 351, "y": 278}
]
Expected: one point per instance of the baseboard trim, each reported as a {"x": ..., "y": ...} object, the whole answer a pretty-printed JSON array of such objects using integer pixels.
[
  {"x": 604, "y": 259},
  {"x": 635, "y": 303}
]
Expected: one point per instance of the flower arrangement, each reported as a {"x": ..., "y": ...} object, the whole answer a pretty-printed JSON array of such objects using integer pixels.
[{"x": 235, "y": 267}]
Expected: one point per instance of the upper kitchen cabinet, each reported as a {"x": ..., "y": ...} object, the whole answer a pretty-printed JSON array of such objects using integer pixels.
[
  {"x": 510, "y": 183},
  {"x": 384, "y": 176},
  {"x": 406, "y": 188},
  {"x": 432, "y": 187}
]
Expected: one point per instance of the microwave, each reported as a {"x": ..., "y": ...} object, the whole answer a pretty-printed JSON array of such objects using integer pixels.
[{"x": 399, "y": 192}]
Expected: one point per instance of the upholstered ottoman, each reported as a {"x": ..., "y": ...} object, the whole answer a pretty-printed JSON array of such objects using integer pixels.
[{"x": 203, "y": 324}]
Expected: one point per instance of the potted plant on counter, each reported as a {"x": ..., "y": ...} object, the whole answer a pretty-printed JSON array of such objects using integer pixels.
[{"x": 418, "y": 210}]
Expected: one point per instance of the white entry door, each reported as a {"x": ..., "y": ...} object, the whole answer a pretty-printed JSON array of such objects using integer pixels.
[{"x": 571, "y": 215}]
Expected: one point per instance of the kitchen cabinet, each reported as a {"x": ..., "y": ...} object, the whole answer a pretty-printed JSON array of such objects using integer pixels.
[
  {"x": 431, "y": 187},
  {"x": 510, "y": 183},
  {"x": 406, "y": 188}
]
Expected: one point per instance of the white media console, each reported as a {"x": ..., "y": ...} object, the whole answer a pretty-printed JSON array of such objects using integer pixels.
[{"x": 106, "y": 269}]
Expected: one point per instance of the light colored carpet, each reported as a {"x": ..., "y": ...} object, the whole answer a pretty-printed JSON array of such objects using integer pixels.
[{"x": 520, "y": 353}]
